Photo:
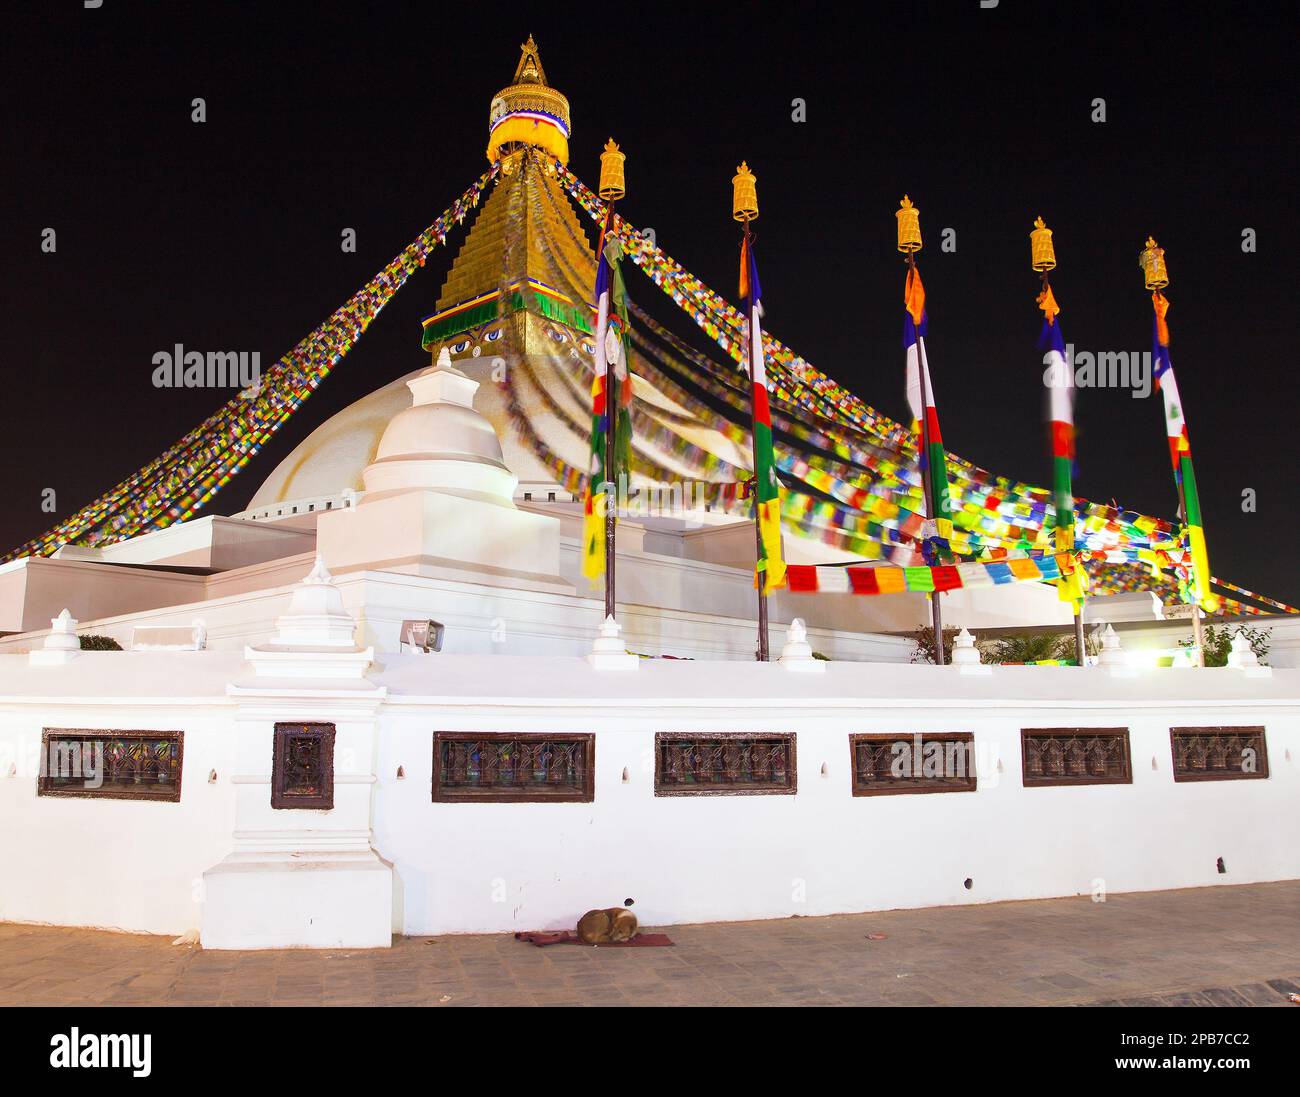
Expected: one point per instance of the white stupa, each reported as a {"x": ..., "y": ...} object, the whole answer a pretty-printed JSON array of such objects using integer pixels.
[{"x": 440, "y": 500}]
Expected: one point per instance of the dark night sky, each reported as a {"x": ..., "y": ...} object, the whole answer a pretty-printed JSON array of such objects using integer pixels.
[{"x": 225, "y": 236}]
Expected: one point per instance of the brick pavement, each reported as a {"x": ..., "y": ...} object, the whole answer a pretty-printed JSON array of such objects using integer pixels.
[{"x": 1221, "y": 945}]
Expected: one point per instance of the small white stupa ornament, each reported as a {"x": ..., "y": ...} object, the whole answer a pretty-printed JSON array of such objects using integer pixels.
[
  {"x": 1112, "y": 652},
  {"x": 317, "y": 616},
  {"x": 966, "y": 656},
  {"x": 1241, "y": 656},
  {"x": 964, "y": 651},
  {"x": 608, "y": 652},
  {"x": 440, "y": 443},
  {"x": 797, "y": 654},
  {"x": 61, "y": 644},
  {"x": 315, "y": 638}
]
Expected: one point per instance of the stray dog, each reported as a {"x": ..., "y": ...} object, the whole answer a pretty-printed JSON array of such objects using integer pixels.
[{"x": 610, "y": 926}]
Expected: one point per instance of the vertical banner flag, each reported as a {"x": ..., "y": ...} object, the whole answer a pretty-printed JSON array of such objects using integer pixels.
[
  {"x": 1180, "y": 455},
  {"x": 611, "y": 401},
  {"x": 767, "y": 489},
  {"x": 934, "y": 464},
  {"x": 1060, "y": 414}
]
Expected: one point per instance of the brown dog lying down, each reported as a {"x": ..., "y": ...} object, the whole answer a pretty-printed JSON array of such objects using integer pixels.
[{"x": 603, "y": 927}]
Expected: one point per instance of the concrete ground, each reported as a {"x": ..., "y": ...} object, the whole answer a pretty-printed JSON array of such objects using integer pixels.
[{"x": 1211, "y": 946}]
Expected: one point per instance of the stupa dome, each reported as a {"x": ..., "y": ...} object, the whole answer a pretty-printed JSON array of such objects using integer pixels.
[{"x": 334, "y": 456}]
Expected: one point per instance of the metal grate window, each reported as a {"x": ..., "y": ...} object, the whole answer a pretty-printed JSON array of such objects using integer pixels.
[
  {"x": 886, "y": 764},
  {"x": 302, "y": 768},
  {"x": 724, "y": 764},
  {"x": 1075, "y": 756},
  {"x": 473, "y": 767},
  {"x": 1219, "y": 754},
  {"x": 115, "y": 765}
]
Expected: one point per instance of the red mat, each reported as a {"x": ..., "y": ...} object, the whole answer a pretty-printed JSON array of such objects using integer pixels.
[{"x": 542, "y": 938}]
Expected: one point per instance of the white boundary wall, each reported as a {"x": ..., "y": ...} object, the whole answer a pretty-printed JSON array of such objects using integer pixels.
[{"x": 501, "y": 867}]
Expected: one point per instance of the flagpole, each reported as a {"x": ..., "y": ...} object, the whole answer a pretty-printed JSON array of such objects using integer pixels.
[
  {"x": 936, "y": 611},
  {"x": 744, "y": 210},
  {"x": 1080, "y": 652},
  {"x": 763, "y": 651},
  {"x": 1042, "y": 258},
  {"x": 611, "y": 505},
  {"x": 606, "y": 389},
  {"x": 909, "y": 242},
  {"x": 1155, "y": 276}
]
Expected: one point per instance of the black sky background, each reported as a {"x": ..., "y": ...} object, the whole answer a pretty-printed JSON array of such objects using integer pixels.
[{"x": 225, "y": 235}]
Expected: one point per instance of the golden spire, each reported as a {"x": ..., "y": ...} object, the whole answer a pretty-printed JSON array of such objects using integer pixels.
[
  {"x": 530, "y": 69},
  {"x": 529, "y": 112}
]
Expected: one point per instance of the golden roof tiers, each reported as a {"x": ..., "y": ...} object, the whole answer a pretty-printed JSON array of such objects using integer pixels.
[{"x": 529, "y": 112}]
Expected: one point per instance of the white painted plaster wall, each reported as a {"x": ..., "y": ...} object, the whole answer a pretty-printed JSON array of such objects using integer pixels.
[
  {"x": 113, "y": 864},
  {"x": 498, "y": 867},
  {"x": 501, "y": 867}
]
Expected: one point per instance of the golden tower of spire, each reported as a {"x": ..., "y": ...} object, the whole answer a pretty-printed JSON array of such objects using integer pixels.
[{"x": 529, "y": 112}]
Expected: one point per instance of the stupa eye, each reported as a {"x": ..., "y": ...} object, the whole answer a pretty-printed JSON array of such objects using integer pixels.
[
  {"x": 493, "y": 336},
  {"x": 461, "y": 347},
  {"x": 555, "y": 334}
]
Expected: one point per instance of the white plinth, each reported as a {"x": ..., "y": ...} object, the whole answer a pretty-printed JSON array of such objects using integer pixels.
[
  {"x": 477, "y": 540},
  {"x": 256, "y": 901}
]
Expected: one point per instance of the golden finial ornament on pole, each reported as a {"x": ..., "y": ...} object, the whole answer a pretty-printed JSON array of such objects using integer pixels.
[
  {"x": 611, "y": 172},
  {"x": 1041, "y": 252},
  {"x": 744, "y": 194},
  {"x": 909, "y": 226},
  {"x": 1152, "y": 262}
]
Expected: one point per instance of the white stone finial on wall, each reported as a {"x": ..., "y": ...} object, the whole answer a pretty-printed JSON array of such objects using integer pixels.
[
  {"x": 1113, "y": 656},
  {"x": 316, "y": 616},
  {"x": 315, "y": 638},
  {"x": 964, "y": 651},
  {"x": 1112, "y": 652},
  {"x": 608, "y": 652},
  {"x": 797, "y": 653},
  {"x": 61, "y": 643},
  {"x": 63, "y": 633},
  {"x": 1242, "y": 657},
  {"x": 966, "y": 656},
  {"x": 1241, "y": 654}
]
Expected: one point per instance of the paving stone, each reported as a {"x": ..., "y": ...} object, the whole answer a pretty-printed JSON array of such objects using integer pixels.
[{"x": 1208, "y": 947}]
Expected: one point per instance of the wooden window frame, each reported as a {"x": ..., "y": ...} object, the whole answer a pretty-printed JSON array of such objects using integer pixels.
[
  {"x": 524, "y": 794},
  {"x": 282, "y": 798},
  {"x": 790, "y": 788},
  {"x": 169, "y": 794},
  {"x": 1071, "y": 733},
  {"x": 1181, "y": 776},
  {"x": 904, "y": 787}
]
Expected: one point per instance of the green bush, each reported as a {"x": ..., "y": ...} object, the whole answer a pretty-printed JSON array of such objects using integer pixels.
[
  {"x": 1030, "y": 648},
  {"x": 1218, "y": 643},
  {"x": 99, "y": 643}
]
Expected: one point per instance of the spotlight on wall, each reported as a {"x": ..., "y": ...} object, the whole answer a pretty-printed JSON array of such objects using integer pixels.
[
  {"x": 424, "y": 636},
  {"x": 212, "y": 776}
]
